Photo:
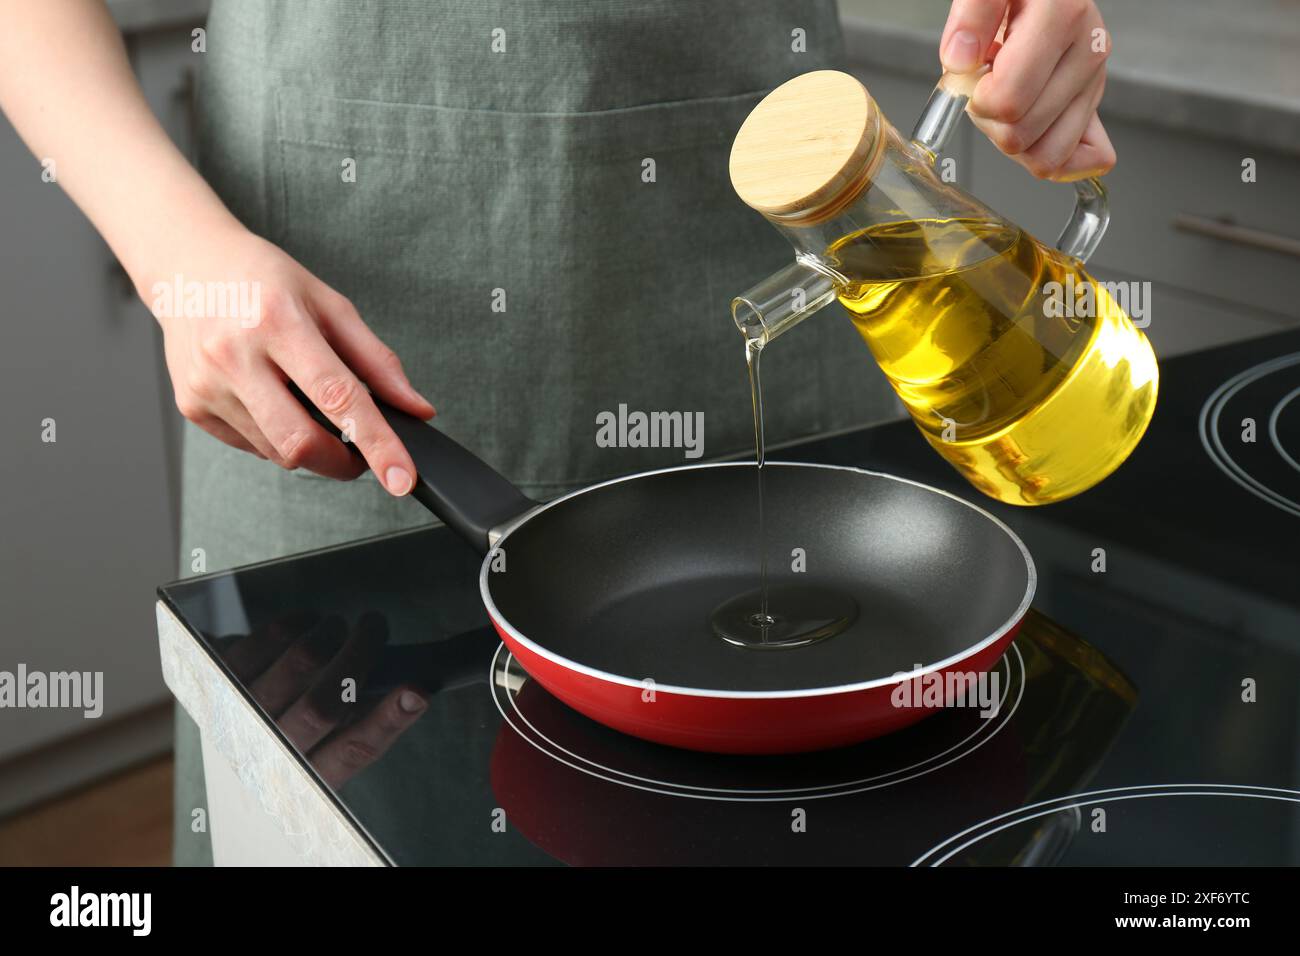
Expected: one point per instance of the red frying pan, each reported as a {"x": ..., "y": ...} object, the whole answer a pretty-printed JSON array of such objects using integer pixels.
[{"x": 610, "y": 597}]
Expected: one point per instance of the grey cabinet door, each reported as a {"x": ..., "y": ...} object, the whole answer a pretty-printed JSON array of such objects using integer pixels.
[{"x": 1168, "y": 192}]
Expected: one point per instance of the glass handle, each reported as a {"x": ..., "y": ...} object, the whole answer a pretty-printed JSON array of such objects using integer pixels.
[
  {"x": 1082, "y": 234},
  {"x": 943, "y": 110},
  {"x": 935, "y": 126}
]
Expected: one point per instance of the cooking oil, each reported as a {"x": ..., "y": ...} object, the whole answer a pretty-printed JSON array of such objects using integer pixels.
[
  {"x": 1031, "y": 401},
  {"x": 784, "y": 615}
]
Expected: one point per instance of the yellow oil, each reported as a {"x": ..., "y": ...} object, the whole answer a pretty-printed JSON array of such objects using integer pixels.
[{"x": 1029, "y": 403}]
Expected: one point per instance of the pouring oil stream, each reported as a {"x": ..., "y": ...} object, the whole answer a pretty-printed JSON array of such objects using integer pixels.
[
  {"x": 753, "y": 350},
  {"x": 789, "y": 615}
]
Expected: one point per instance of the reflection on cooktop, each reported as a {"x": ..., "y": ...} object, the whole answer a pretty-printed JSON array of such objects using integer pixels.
[
  {"x": 585, "y": 746},
  {"x": 573, "y": 787}
]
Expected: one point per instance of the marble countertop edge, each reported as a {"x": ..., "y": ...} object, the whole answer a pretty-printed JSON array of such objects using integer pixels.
[{"x": 317, "y": 830}]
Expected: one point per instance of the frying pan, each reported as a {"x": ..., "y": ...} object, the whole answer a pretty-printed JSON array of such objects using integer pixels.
[{"x": 605, "y": 595}]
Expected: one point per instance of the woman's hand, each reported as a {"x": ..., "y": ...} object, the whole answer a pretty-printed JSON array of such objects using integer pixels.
[
  {"x": 1038, "y": 103},
  {"x": 277, "y": 323},
  {"x": 67, "y": 85}
]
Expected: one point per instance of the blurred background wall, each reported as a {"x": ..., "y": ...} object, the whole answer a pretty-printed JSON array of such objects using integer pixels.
[{"x": 89, "y": 521}]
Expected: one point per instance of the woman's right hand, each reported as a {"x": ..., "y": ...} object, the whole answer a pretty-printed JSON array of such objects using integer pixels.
[{"x": 230, "y": 369}]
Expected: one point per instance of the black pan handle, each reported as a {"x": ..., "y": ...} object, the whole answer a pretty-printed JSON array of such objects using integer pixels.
[{"x": 455, "y": 484}]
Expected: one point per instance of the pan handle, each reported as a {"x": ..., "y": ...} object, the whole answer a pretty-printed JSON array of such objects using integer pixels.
[{"x": 468, "y": 495}]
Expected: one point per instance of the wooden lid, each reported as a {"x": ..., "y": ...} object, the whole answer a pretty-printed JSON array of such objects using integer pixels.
[{"x": 808, "y": 148}]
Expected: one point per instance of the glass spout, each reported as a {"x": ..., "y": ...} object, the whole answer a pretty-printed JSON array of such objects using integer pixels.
[{"x": 783, "y": 300}]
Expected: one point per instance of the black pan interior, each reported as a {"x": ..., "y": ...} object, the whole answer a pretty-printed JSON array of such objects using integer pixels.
[{"x": 623, "y": 577}]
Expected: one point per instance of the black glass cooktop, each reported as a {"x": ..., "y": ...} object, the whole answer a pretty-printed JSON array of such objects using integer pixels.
[{"x": 1150, "y": 711}]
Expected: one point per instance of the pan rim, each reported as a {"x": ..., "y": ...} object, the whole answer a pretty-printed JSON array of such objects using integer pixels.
[{"x": 1031, "y": 584}]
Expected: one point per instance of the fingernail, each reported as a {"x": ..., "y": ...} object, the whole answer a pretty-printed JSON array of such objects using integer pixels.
[
  {"x": 962, "y": 53},
  {"x": 410, "y": 702},
  {"x": 397, "y": 480},
  {"x": 415, "y": 393},
  {"x": 420, "y": 398},
  {"x": 1076, "y": 175}
]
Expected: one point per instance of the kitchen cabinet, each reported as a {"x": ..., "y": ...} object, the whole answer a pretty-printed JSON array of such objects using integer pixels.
[{"x": 1165, "y": 185}]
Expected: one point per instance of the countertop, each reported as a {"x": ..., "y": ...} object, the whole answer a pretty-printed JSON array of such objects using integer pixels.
[{"x": 1226, "y": 70}]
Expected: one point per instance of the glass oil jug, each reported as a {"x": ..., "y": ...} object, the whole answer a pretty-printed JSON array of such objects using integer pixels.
[{"x": 1017, "y": 367}]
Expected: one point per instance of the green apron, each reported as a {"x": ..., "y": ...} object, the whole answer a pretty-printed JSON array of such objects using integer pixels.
[{"x": 541, "y": 225}]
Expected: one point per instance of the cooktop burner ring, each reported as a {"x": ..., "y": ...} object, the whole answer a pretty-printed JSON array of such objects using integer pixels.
[
  {"x": 1012, "y": 672},
  {"x": 1273, "y": 436},
  {"x": 1213, "y": 443},
  {"x": 942, "y": 852}
]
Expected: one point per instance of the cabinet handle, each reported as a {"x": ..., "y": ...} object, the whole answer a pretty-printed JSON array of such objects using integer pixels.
[{"x": 1229, "y": 231}]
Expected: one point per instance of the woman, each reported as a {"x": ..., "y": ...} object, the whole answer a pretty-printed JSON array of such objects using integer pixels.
[{"x": 527, "y": 203}]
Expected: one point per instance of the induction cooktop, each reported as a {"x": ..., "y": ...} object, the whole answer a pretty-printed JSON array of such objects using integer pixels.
[{"x": 1148, "y": 710}]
